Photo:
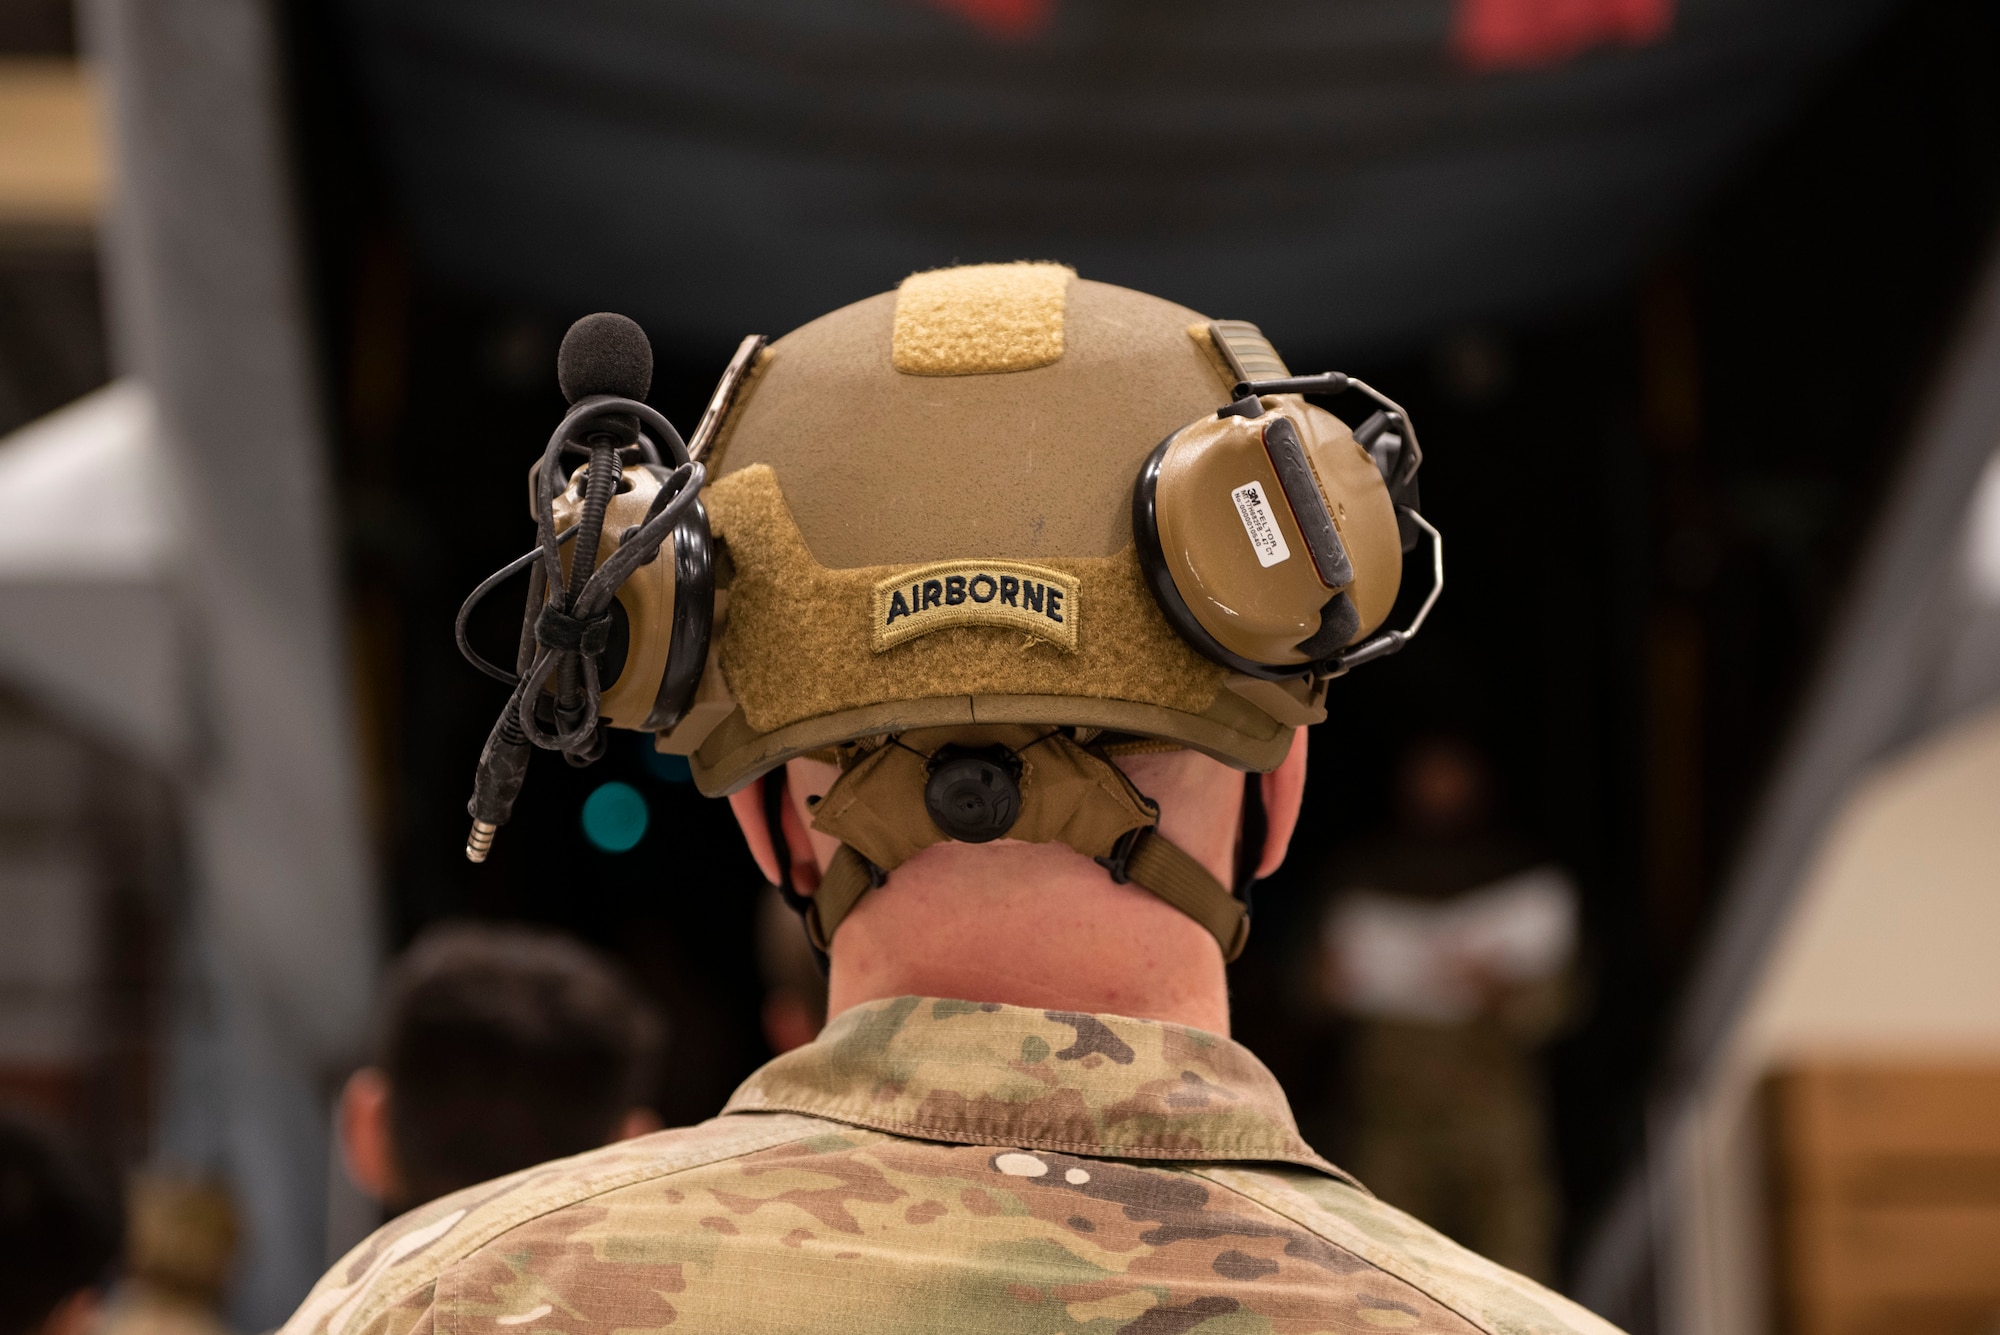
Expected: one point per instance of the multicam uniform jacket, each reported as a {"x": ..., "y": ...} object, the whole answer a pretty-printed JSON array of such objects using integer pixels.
[{"x": 943, "y": 1166}]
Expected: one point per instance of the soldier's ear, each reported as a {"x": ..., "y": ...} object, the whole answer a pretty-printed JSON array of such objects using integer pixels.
[
  {"x": 1284, "y": 789},
  {"x": 798, "y": 845},
  {"x": 747, "y": 804},
  {"x": 752, "y": 807}
]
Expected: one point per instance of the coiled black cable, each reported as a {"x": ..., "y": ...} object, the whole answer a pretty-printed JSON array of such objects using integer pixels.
[{"x": 566, "y": 620}]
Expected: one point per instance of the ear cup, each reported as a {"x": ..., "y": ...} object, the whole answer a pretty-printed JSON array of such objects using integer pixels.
[
  {"x": 1267, "y": 536},
  {"x": 662, "y": 613},
  {"x": 1160, "y": 577}
]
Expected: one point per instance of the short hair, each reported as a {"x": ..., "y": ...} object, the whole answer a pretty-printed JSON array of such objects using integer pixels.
[
  {"x": 505, "y": 1047},
  {"x": 60, "y": 1227}
]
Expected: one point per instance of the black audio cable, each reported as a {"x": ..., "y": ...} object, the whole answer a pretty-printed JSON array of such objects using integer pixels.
[{"x": 605, "y": 368}]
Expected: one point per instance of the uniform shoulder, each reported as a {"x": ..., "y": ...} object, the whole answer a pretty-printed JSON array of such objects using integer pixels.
[
  {"x": 1489, "y": 1295},
  {"x": 383, "y": 1286}
]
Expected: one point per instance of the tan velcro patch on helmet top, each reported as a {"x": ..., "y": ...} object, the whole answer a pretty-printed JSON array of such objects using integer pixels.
[
  {"x": 1032, "y": 598},
  {"x": 981, "y": 319}
]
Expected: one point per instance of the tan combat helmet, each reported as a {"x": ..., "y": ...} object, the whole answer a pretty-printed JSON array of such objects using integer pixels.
[{"x": 927, "y": 545}]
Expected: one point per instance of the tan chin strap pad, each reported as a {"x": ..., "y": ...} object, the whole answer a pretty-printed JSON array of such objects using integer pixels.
[
  {"x": 1069, "y": 795},
  {"x": 1170, "y": 872},
  {"x": 841, "y": 885}
]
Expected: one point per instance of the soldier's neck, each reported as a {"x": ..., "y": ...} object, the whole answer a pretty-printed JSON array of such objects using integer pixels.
[{"x": 1027, "y": 925}]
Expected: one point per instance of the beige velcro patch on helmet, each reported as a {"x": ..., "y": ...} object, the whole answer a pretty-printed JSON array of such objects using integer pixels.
[
  {"x": 1031, "y": 598},
  {"x": 798, "y": 642},
  {"x": 981, "y": 319}
]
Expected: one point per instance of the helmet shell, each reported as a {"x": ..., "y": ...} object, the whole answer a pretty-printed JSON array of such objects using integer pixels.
[{"x": 883, "y": 447}]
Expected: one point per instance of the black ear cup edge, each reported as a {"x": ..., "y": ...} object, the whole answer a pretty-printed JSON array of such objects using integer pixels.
[{"x": 694, "y": 617}]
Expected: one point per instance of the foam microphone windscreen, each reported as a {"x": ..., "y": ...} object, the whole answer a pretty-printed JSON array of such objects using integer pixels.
[{"x": 605, "y": 354}]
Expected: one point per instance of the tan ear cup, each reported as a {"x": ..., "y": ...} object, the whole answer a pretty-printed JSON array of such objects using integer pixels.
[
  {"x": 661, "y": 613},
  {"x": 1268, "y": 536}
]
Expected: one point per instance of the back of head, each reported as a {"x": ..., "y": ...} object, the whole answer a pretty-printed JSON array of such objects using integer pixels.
[
  {"x": 971, "y": 546},
  {"x": 505, "y": 1047},
  {"x": 59, "y": 1228},
  {"x": 1023, "y": 526}
]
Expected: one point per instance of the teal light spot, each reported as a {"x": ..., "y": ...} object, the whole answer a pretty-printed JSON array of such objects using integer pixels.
[
  {"x": 1033, "y": 1049},
  {"x": 614, "y": 817}
]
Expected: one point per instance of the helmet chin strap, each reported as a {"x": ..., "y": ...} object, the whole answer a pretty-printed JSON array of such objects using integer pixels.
[{"x": 1068, "y": 793}]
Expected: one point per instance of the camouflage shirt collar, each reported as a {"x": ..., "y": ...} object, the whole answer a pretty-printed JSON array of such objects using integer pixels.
[{"x": 985, "y": 1074}]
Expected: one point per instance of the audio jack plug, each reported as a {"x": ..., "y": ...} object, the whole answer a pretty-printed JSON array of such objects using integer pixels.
[{"x": 503, "y": 766}]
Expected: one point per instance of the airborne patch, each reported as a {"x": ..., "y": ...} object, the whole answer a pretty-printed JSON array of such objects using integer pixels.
[{"x": 1010, "y": 594}]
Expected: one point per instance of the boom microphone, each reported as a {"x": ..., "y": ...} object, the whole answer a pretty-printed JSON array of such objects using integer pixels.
[{"x": 604, "y": 354}]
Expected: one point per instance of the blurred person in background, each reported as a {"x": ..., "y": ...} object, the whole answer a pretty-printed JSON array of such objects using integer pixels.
[
  {"x": 179, "y": 1246},
  {"x": 59, "y": 1235},
  {"x": 1450, "y": 947},
  {"x": 498, "y": 1047}
]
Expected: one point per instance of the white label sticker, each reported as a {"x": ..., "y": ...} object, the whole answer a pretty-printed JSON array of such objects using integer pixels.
[{"x": 1255, "y": 512}]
